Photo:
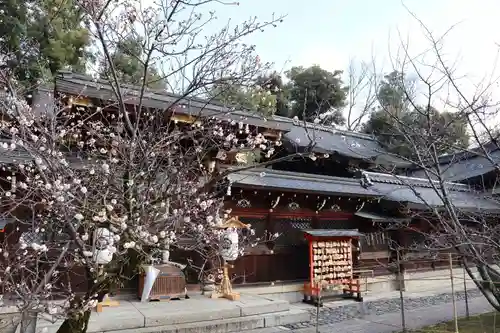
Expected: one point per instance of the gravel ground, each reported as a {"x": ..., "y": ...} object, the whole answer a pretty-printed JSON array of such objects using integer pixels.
[{"x": 379, "y": 307}]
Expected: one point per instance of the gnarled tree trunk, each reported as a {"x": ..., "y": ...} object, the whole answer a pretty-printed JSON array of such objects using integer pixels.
[
  {"x": 77, "y": 323},
  {"x": 27, "y": 323}
]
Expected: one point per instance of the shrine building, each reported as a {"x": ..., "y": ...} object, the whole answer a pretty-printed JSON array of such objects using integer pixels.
[{"x": 333, "y": 180}]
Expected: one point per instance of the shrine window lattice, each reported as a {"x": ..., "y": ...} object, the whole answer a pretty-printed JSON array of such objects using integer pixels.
[
  {"x": 291, "y": 230},
  {"x": 333, "y": 224},
  {"x": 259, "y": 224}
]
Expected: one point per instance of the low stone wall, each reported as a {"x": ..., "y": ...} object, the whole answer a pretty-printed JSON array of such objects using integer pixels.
[
  {"x": 419, "y": 281},
  {"x": 433, "y": 282},
  {"x": 438, "y": 279}
]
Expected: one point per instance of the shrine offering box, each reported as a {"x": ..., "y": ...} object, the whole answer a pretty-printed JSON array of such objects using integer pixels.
[
  {"x": 169, "y": 284},
  {"x": 331, "y": 265}
]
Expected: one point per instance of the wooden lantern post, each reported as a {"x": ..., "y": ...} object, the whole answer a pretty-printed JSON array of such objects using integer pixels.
[{"x": 226, "y": 288}]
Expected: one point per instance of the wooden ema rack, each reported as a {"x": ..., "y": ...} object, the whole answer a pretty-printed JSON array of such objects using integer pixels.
[{"x": 331, "y": 267}]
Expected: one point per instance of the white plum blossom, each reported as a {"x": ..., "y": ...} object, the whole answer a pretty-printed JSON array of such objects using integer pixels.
[
  {"x": 52, "y": 310},
  {"x": 89, "y": 170}
]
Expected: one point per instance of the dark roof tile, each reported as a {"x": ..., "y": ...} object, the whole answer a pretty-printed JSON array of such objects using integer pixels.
[
  {"x": 334, "y": 233},
  {"x": 388, "y": 187}
]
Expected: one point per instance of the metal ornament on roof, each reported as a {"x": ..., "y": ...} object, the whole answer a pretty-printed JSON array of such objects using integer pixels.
[
  {"x": 221, "y": 155},
  {"x": 293, "y": 205},
  {"x": 243, "y": 203},
  {"x": 355, "y": 144},
  {"x": 335, "y": 208},
  {"x": 404, "y": 210}
]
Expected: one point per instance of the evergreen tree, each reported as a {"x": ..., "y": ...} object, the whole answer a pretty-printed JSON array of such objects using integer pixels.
[
  {"x": 273, "y": 83},
  {"x": 317, "y": 93},
  {"x": 41, "y": 37},
  {"x": 400, "y": 125},
  {"x": 129, "y": 62},
  {"x": 254, "y": 99}
]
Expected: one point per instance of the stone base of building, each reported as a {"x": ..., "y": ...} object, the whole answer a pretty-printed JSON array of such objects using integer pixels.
[{"x": 435, "y": 281}]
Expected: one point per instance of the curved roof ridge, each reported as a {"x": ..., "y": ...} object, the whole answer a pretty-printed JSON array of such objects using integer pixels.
[{"x": 71, "y": 75}]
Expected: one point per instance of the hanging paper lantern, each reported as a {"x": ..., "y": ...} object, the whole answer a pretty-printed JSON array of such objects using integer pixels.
[
  {"x": 229, "y": 245},
  {"x": 104, "y": 246}
]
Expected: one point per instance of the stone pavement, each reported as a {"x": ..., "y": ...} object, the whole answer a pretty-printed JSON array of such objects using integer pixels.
[
  {"x": 391, "y": 322},
  {"x": 197, "y": 314},
  {"x": 339, "y": 311}
]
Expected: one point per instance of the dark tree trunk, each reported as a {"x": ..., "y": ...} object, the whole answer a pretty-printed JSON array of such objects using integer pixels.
[{"x": 76, "y": 324}]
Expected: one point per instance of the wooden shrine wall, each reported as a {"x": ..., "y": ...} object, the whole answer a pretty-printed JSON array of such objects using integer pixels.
[
  {"x": 375, "y": 250},
  {"x": 286, "y": 259},
  {"x": 415, "y": 255}
]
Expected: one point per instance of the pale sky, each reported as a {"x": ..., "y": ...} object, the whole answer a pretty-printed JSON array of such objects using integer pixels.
[{"x": 329, "y": 32}]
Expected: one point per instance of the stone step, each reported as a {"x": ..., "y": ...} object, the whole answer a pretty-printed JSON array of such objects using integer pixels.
[
  {"x": 207, "y": 310},
  {"x": 276, "y": 329},
  {"x": 248, "y": 313},
  {"x": 264, "y": 322}
]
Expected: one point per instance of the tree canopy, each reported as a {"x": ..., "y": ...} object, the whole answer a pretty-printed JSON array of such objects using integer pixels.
[
  {"x": 310, "y": 94},
  {"x": 401, "y": 125},
  {"x": 254, "y": 98},
  {"x": 129, "y": 61},
  {"x": 273, "y": 83},
  {"x": 42, "y": 37},
  {"x": 317, "y": 93}
]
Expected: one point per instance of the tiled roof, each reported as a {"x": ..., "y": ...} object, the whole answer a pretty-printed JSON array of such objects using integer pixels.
[
  {"x": 16, "y": 155},
  {"x": 322, "y": 139},
  {"x": 388, "y": 187},
  {"x": 294, "y": 181},
  {"x": 334, "y": 233},
  {"x": 326, "y": 139},
  {"x": 20, "y": 155},
  {"x": 465, "y": 166},
  {"x": 415, "y": 181},
  {"x": 379, "y": 218},
  {"x": 77, "y": 84}
]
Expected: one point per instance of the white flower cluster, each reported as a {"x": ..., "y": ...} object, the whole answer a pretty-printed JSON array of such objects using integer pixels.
[
  {"x": 151, "y": 192},
  {"x": 34, "y": 246}
]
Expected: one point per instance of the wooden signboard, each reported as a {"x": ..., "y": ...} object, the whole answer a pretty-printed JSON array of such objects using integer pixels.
[{"x": 331, "y": 265}]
